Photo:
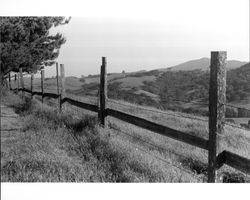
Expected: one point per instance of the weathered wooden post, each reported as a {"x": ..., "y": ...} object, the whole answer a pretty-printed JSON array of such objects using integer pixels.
[
  {"x": 5, "y": 82},
  {"x": 18, "y": 82},
  {"x": 42, "y": 82},
  {"x": 9, "y": 81},
  {"x": 57, "y": 84},
  {"x": 15, "y": 83},
  {"x": 31, "y": 84},
  {"x": 21, "y": 79},
  {"x": 103, "y": 92},
  {"x": 217, "y": 100},
  {"x": 62, "y": 95}
]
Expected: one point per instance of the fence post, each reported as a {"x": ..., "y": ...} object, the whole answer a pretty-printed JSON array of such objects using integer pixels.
[
  {"x": 31, "y": 84},
  {"x": 57, "y": 84},
  {"x": 217, "y": 100},
  {"x": 103, "y": 91},
  {"x": 15, "y": 83},
  {"x": 21, "y": 80},
  {"x": 18, "y": 82},
  {"x": 63, "y": 85},
  {"x": 9, "y": 81},
  {"x": 42, "y": 81},
  {"x": 5, "y": 82}
]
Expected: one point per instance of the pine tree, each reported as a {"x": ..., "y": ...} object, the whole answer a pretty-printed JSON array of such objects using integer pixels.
[{"x": 26, "y": 42}]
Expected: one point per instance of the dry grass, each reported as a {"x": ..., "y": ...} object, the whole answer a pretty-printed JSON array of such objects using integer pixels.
[
  {"x": 195, "y": 159},
  {"x": 73, "y": 147},
  {"x": 55, "y": 147}
]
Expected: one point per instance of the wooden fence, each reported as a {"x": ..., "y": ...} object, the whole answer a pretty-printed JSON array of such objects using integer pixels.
[{"x": 217, "y": 157}]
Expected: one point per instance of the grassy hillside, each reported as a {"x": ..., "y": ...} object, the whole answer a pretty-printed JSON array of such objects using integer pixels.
[
  {"x": 189, "y": 86},
  {"x": 72, "y": 146},
  {"x": 52, "y": 147},
  {"x": 202, "y": 64}
]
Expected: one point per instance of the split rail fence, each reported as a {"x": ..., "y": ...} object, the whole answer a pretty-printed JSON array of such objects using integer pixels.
[{"x": 217, "y": 99}]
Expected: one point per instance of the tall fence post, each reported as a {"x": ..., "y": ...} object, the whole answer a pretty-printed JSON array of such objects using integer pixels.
[
  {"x": 63, "y": 85},
  {"x": 15, "y": 82},
  {"x": 217, "y": 100},
  {"x": 18, "y": 82},
  {"x": 103, "y": 91},
  {"x": 31, "y": 84},
  {"x": 21, "y": 80},
  {"x": 42, "y": 82},
  {"x": 10, "y": 81},
  {"x": 57, "y": 84},
  {"x": 5, "y": 82}
]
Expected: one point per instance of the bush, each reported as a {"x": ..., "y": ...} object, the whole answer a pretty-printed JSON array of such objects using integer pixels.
[
  {"x": 82, "y": 80},
  {"x": 231, "y": 113}
]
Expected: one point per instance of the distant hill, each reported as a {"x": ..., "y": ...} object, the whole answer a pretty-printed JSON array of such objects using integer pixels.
[
  {"x": 185, "y": 82},
  {"x": 145, "y": 81},
  {"x": 193, "y": 85},
  {"x": 202, "y": 64}
]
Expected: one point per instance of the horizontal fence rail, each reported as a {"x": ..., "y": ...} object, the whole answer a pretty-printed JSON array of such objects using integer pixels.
[
  {"x": 163, "y": 130},
  {"x": 87, "y": 106},
  {"x": 37, "y": 93},
  {"x": 26, "y": 90},
  {"x": 235, "y": 161},
  {"x": 51, "y": 95}
]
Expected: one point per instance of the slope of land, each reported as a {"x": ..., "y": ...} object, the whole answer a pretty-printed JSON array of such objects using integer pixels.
[
  {"x": 72, "y": 146},
  {"x": 202, "y": 64},
  {"x": 50, "y": 147}
]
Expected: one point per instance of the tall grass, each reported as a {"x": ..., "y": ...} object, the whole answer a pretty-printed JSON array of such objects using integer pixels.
[
  {"x": 72, "y": 146},
  {"x": 56, "y": 147}
]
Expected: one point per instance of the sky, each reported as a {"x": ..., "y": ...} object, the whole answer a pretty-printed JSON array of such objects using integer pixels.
[{"x": 142, "y": 35}]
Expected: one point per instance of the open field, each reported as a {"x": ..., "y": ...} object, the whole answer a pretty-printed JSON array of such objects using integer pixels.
[{"x": 55, "y": 147}]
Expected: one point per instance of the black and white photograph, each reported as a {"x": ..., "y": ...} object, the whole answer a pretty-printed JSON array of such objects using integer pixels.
[{"x": 111, "y": 92}]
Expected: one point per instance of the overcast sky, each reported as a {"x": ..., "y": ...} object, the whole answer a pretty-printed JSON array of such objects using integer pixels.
[{"x": 136, "y": 35}]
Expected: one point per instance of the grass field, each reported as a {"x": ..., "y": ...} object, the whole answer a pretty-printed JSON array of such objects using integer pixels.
[{"x": 72, "y": 147}]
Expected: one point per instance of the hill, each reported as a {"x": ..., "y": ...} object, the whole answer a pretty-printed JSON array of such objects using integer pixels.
[
  {"x": 135, "y": 80},
  {"x": 155, "y": 88},
  {"x": 202, "y": 64},
  {"x": 194, "y": 84}
]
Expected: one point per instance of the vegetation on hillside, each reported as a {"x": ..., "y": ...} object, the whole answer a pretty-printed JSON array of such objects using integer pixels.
[
  {"x": 115, "y": 91},
  {"x": 193, "y": 86},
  {"x": 175, "y": 89},
  {"x": 238, "y": 84}
]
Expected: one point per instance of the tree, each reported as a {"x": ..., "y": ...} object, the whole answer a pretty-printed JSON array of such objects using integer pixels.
[{"x": 27, "y": 43}]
